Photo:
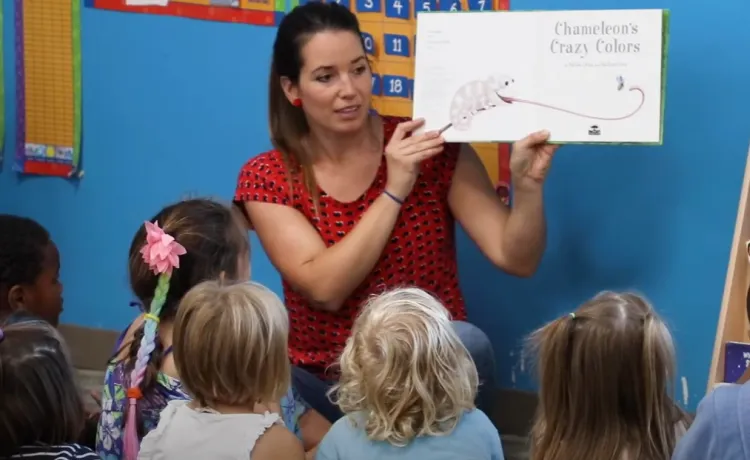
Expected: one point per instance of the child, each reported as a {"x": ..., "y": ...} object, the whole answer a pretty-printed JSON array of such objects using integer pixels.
[
  {"x": 29, "y": 270},
  {"x": 41, "y": 412},
  {"x": 230, "y": 349},
  {"x": 211, "y": 242},
  {"x": 605, "y": 373},
  {"x": 407, "y": 387}
]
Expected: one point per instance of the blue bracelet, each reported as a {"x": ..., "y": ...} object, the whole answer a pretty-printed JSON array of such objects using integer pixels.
[{"x": 394, "y": 197}]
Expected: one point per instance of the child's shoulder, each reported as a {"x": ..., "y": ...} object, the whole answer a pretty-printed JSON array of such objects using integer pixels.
[{"x": 278, "y": 442}]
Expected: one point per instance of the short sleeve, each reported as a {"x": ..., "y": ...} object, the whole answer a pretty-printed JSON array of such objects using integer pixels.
[
  {"x": 701, "y": 439},
  {"x": 441, "y": 168},
  {"x": 263, "y": 179}
]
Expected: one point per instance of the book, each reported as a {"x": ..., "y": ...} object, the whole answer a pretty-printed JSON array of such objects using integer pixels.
[
  {"x": 593, "y": 76},
  {"x": 736, "y": 360}
]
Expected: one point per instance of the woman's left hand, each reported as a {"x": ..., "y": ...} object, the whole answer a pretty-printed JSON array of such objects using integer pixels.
[{"x": 530, "y": 160}]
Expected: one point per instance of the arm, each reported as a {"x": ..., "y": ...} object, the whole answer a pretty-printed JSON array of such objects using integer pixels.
[
  {"x": 327, "y": 276},
  {"x": 313, "y": 427},
  {"x": 512, "y": 239}
]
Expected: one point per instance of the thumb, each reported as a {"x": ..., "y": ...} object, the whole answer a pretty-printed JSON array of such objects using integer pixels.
[{"x": 533, "y": 139}]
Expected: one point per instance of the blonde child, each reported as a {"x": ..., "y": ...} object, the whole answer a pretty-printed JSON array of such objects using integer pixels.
[
  {"x": 42, "y": 415},
  {"x": 407, "y": 387},
  {"x": 605, "y": 374},
  {"x": 230, "y": 349}
]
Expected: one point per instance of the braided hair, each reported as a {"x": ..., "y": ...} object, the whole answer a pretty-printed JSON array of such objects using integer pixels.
[{"x": 214, "y": 238}]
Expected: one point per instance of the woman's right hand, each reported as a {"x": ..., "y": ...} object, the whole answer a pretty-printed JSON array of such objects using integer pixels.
[{"x": 405, "y": 153}]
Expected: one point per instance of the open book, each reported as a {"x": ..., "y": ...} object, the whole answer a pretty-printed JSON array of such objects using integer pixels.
[{"x": 586, "y": 76}]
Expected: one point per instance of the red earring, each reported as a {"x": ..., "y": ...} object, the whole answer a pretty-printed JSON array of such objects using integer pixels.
[{"x": 297, "y": 102}]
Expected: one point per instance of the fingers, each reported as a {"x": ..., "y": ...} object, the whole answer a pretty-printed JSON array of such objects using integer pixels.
[
  {"x": 403, "y": 129},
  {"x": 425, "y": 143},
  {"x": 534, "y": 139}
]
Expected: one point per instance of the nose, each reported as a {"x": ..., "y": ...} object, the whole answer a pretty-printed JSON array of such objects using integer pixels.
[{"x": 347, "y": 87}]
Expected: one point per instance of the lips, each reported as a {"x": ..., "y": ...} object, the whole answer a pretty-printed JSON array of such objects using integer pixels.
[{"x": 348, "y": 110}]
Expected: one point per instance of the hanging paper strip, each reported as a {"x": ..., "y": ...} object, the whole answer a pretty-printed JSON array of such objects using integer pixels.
[
  {"x": 2, "y": 93},
  {"x": 48, "y": 87},
  {"x": 257, "y": 12}
]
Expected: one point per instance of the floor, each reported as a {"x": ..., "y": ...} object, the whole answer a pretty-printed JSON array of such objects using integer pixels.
[{"x": 514, "y": 446}]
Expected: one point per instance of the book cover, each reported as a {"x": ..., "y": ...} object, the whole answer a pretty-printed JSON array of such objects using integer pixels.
[
  {"x": 736, "y": 360},
  {"x": 586, "y": 76}
]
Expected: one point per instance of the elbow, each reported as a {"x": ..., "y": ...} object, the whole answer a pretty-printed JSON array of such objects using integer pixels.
[
  {"x": 323, "y": 297},
  {"x": 519, "y": 267}
]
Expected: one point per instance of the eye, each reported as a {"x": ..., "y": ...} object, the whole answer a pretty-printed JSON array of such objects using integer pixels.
[
  {"x": 360, "y": 70},
  {"x": 323, "y": 78}
]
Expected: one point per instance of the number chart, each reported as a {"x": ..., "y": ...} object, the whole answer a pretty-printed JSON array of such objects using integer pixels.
[
  {"x": 389, "y": 35},
  {"x": 257, "y": 12}
]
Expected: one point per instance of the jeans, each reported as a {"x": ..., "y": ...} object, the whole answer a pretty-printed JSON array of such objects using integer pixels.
[{"x": 314, "y": 390}]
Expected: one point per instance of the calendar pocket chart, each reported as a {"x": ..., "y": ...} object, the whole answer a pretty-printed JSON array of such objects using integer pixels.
[{"x": 586, "y": 76}]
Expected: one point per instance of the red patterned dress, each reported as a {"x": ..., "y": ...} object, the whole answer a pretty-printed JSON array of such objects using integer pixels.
[{"x": 421, "y": 252}]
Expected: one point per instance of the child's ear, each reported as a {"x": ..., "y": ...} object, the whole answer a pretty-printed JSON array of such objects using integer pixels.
[{"x": 16, "y": 297}]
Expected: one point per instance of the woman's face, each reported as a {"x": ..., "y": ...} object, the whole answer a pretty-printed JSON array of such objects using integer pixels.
[{"x": 335, "y": 82}]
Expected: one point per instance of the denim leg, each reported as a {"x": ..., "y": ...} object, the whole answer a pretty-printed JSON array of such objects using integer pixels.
[
  {"x": 481, "y": 351},
  {"x": 315, "y": 393}
]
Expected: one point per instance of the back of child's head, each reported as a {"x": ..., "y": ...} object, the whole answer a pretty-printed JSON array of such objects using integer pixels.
[
  {"x": 39, "y": 399},
  {"x": 29, "y": 265},
  {"x": 405, "y": 370},
  {"x": 230, "y": 345},
  {"x": 605, "y": 373},
  {"x": 183, "y": 245}
]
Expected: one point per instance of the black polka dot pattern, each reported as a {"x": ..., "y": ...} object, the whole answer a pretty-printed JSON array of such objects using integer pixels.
[{"x": 421, "y": 251}]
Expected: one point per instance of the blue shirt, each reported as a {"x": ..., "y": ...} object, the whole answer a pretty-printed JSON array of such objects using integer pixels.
[
  {"x": 475, "y": 438},
  {"x": 721, "y": 429}
]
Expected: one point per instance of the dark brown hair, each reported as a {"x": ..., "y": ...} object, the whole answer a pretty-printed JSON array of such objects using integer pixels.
[
  {"x": 39, "y": 400},
  {"x": 606, "y": 374},
  {"x": 214, "y": 237},
  {"x": 288, "y": 124}
]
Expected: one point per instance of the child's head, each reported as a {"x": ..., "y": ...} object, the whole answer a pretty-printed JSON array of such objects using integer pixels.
[
  {"x": 605, "y": 373},
  {"x": 29, "y": 269},
  {"x": 405, "y": 369},
  {"x": 39, "y": 399},
  {"x": 215, "y": 241},
  {"x": 230, "y": 345}
]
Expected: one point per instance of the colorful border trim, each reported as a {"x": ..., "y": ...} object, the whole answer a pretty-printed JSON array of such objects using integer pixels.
[
  {"x": 77, "y": 88},
  {"x": 20, "y": 90},
  {"x": 195, "y": 11}
]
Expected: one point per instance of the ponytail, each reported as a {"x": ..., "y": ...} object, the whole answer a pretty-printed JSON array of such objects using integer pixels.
[{"x": 161, "y": 252}]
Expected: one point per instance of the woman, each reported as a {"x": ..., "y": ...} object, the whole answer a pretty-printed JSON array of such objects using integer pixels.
[{"x": 349, "y": 204}]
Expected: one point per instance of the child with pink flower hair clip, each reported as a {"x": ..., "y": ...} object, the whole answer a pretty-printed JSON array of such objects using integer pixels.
[{"x": 181, "y": 246}]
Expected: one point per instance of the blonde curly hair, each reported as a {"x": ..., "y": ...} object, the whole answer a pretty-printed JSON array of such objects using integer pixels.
[{"x": 404, "y": 371}]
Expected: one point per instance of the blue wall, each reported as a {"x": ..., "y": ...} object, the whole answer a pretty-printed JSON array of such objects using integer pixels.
[{"x": 173, "y": 107}]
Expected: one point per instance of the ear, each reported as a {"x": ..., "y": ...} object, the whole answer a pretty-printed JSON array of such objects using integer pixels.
[
  {"x": 16, "y": 297},
  {"x": 291, "y": 91}
]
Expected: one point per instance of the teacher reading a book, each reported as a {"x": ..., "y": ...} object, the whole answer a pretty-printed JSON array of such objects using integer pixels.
[{"x": 349, "y": 204}]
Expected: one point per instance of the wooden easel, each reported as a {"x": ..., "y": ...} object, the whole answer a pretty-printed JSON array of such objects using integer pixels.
[{"x": 733, "y": 322}]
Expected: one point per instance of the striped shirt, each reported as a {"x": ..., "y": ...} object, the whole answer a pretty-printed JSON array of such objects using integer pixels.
[{"x": 61, "y": 452}]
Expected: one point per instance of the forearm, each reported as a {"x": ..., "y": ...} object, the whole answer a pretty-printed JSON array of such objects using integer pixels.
[
  {"x": 525, "y": 235},
  {"x": 339, "y": 269}
]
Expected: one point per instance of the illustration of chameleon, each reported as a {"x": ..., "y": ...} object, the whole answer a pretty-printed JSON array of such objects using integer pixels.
[{"x": 481, "y": 95}]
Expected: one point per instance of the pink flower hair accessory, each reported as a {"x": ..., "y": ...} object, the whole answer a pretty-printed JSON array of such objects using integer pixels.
[{"x": 161, "y": 251}]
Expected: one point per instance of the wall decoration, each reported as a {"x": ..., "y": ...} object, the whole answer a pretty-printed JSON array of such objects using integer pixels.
[
  {"x": 258, "y": 12},
  {"x": 48, "y": 87}
]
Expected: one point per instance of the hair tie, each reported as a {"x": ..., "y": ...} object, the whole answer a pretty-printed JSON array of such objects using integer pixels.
[
  {"x": 152, "y": 317},
  {"x": 572, "y": 315},
  {"x": 134, "y": 393}
]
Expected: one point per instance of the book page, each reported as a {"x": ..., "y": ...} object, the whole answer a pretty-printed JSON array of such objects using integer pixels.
[{"x": 586, "y": 76}]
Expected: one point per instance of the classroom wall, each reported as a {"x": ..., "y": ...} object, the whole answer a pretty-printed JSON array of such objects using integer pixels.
[{"x": 173, "y": 107}]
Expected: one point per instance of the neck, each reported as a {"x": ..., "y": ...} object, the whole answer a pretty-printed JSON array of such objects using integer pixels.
[
  {"x": 337, "y": 148},
  {"x": 257, "y": 408}
]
